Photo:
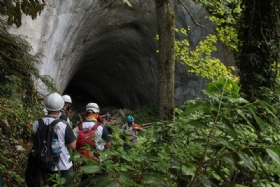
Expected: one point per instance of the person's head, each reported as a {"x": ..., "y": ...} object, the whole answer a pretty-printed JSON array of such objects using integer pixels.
[
  {"x": 54, "y": 103},
  {"x": 92, "y": 110},
  {"x": 130, "y": 120},
  {"x": 67, "y": 102}
]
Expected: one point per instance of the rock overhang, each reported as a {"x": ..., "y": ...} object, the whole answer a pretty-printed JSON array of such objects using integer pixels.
[{"x": 105, "y": 52}]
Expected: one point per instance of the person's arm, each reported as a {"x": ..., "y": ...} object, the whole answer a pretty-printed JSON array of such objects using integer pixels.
[
  {"x": 106, "y": 137},
  {"x": 72, "y": 145},
  {"x": 70, "y": 139},
  {"x": 76, "y": 129}
]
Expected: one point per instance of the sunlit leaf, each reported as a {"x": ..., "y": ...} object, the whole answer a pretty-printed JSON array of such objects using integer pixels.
[
  {"x": 247, "y": 160},
  {"x": 243, "y": 116},
  {"x": 90, "y": 169},
  {"x": 274, "y": 153},
  {"x": 268, "y": 107},
  {"x": 126, "y": 157},
  {"x": 105, "y": 181},
  {"x": 258, "y": 120},
  {"x": 197, "y": 124},
  {"x": 188, "y": 170},
  {"x": 225, "y": 142},
  {"x": 227, "y": 128},
  {"x": 207, "y": 182},
  {"x": 153, "y": 178},
  {"x": 193, "y": 108}
]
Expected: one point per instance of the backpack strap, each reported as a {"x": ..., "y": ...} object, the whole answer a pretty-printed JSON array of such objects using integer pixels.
[
  {"x": 41, "y": 122},
  {"x": 80, "y": 126},
  {"x": 95, "y": 126},
  {"x": 54, "y": 122}
]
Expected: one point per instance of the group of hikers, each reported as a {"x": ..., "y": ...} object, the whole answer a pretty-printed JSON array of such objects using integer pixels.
[{"x": 55, "y": 128}]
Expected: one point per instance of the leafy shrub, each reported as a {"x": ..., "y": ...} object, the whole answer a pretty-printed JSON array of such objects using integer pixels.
[{"x": 220, "y": 140}]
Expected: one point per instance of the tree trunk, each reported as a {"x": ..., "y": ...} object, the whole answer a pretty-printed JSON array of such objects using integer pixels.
[
  {"x": 166, "y": 61},
  {"x": 257, "y": 34}
]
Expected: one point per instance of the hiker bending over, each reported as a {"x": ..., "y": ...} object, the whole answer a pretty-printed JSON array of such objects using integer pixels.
[{"x": 62, "y": 133}]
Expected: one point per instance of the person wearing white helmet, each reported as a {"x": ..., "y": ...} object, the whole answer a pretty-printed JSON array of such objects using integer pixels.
[
  {"x": 92, "y": 112},
  {"x": 53, "y": 104},
  {"x": 66, "y": 107},
  {"x": 94, "y": 107}
]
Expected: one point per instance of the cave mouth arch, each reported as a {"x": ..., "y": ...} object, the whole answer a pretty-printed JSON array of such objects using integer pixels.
[
  {"x": 117, "y": 66},
  {"x": 105, "y": 51}
]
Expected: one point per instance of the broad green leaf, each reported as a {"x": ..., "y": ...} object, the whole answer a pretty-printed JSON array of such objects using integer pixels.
[
  {"x": 243, "y": 116},
  {"x": 258, "y": 120},
  {"x": 275, "y": 184},
  {"x": 214, "y": 87},
  {"x": 247, "y": 160},
  {"x": 268, "y": 107},
  {"x": 220, "y": 171},
  {"x": 90, "y": 169},
  {"x": 222, "y": 80},
  {"x": 211, "y": 108},
  {"x": 113, "y": 184},
  {"x": 225, "y": 142},
  {"x": 124, "y": 176},
  {"x": 207, "y": 182},
  {"x": 153, "y": 178},
  {"x": 127, "y": 2},
  {"x": 238, "y": 100},
  {"x": 199, "y": 140},
  {"x": 193, "y": 108},
  {"x": 252, "y": 107},
  {"x": 235, "y": 90},
  {"x": 213, "y": 95},
  {"x": 188, "y": 170},
  {"x": 104, "y": 181},
  {"x": 227, "y": 128},
  {"x": 126, "y": 157},
  {"x": 128, "y": 183},
  {"x": 274, "y": 153},
  {"x": 198, "y": 124}
]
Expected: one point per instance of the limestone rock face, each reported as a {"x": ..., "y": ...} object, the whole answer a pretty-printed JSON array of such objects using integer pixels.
[{"x": 105, "y": 51}]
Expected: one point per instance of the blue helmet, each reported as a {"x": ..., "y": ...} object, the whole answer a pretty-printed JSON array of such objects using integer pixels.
[{"x": 130, "y": 119}]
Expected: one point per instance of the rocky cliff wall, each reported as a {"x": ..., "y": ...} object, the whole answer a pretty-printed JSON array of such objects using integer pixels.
[{"x": 105, "y": 51}]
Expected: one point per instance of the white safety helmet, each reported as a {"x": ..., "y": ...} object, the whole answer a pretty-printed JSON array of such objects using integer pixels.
[
  {"x": 54, "y": 102},
  {"x": 67, "y": 99},
  {"x": 92, "y": 106}
]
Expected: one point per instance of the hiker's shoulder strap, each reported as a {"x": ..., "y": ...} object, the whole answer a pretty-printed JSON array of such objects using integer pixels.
[
  {"x": 95, "y": 126},
  {"x": 41, "y": 122},
  {"x": 54, "y": 122},
  {"x": 80, "y": 126}
]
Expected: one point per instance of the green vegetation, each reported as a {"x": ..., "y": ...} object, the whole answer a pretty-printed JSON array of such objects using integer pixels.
[
  {"x": 20, "y": 103},
  {"x": 219, "y": 140},
  {"x": 211, "y": 143}
]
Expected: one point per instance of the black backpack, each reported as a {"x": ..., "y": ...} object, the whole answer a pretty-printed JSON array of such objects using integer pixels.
[{"x": 44, "y": 136}]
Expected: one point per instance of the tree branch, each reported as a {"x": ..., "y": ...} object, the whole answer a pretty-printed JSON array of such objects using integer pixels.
[{"x": 194, "y": 19}]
